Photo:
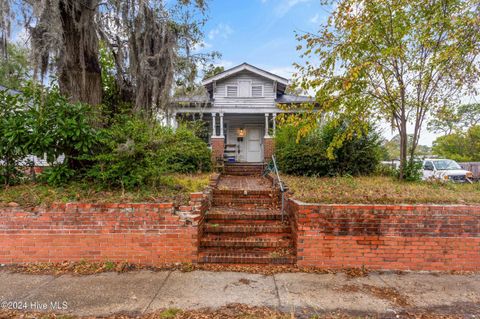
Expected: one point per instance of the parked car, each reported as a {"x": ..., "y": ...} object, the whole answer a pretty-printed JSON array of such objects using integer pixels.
[{"x": 445, "y": 170}]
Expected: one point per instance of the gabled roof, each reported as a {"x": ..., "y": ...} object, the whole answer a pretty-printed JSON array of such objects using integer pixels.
[{"x": 245, "y": 67}]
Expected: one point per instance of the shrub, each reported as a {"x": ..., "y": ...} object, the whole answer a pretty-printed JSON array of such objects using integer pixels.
[
  {"x": 60, "y": 128},
  {"x": 14, "y": 136},
  {"x": 358, "y": 155},
  {"x": 135, "y": 152}
]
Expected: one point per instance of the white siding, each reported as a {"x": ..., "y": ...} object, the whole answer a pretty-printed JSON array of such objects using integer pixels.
[{"x": 256, "y": 101}]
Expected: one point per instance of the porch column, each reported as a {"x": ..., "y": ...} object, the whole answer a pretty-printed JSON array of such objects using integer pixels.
[
  {"x": 266, "y": 125},
  {"x": 214, "y": 125},
  {"x": 221, "y": 125},
  {"x": 274, "y": 120}
]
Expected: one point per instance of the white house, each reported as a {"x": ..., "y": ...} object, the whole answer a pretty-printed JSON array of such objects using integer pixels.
[{"x": 241, "y": 107}]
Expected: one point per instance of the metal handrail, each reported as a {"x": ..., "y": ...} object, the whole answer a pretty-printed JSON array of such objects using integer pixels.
[{"x": 280, "y": 183}]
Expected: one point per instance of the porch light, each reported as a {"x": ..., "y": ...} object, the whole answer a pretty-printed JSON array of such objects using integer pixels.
[{"x": 241, "y": 132}]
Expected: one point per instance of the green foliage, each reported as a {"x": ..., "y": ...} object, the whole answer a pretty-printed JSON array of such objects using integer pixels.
[
  {"x": 392, "y": 148},
  {"x": 136, "y": 152},
  {"x": 212, "y": 70},
  {"x": 459, "y": 146},
  {"x": 451, "y": 119},
  {"x": 359, "y": 155},
  {"x": 44, "y": 123},
  {"x": 412, "y": 171},
  {"x": 14, "y": 136},
  {"x": 61, "y": 128},
  {"x": 15, "y": 69}
]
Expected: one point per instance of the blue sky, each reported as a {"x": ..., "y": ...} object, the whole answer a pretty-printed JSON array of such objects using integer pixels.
[{"x": 261, "y": 32}]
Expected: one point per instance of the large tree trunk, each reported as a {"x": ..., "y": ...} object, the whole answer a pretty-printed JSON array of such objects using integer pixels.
[{"x": 80, "y": 73}]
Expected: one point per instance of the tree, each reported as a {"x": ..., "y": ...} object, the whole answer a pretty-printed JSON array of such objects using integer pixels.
[
  {"x": 212, "y": 70},
  {"x": 393, "y": 148},
  {"x": 449, "y": 119},
  {"x": 14, "y": 67},
  {"x": 150, "y": 42},
  {"x": 396, "y": 60},
  {"x": 459, "y": 146}
]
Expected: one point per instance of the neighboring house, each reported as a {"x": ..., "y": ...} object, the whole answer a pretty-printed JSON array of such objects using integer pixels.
[{"x": 240, "y": 108}]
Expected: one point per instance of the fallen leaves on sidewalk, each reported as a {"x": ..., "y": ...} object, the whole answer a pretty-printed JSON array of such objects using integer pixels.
[
  {"x": 232, "y": 311},
  {"x": 89, "y": 268},
  {"x": 386, "y": 293}
]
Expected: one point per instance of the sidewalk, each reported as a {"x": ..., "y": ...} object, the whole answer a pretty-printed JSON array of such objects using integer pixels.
[{"x": 141, "y": 292}]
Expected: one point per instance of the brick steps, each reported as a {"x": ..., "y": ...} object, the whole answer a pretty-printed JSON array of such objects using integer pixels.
[
  {"x": 246, "y": 242},
  {"x": 244, "y": 226},
  {"x": 246, "y": 258},
  {"x": 243, "y": 169},
  {"x": 247, "y": 229},
  {"x": 242, "y": 202},
  {"x": 235, "y": 214}
]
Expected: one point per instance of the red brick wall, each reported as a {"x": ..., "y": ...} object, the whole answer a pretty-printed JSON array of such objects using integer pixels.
[
  {"x": 218, "y": 146},
  {"x": 268, "y": 148},
  {"x": 137, "y": 233},
  {"x": 396, "y": 237}
]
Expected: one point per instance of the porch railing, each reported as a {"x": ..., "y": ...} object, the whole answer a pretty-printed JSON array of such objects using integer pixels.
[{"x": 277, "y": 181}]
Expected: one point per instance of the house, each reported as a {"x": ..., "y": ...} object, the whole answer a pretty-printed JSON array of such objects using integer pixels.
[{"x": 240, "y": 108}]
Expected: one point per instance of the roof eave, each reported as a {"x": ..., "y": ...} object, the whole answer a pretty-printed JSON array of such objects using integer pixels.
[{"x": 242, "y": 67}]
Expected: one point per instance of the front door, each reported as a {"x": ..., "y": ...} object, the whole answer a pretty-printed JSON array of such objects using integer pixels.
[{"x": 254, "y": 144}]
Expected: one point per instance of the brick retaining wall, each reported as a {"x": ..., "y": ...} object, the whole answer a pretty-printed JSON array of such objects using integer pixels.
[
  {"x": 148, "y": 233},
  {"x": 396, "y": 237}
]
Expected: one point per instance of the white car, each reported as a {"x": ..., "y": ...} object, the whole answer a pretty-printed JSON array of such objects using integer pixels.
[{"x": 445, "y": 170}]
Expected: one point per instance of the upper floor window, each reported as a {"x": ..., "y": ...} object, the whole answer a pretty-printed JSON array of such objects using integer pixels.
[
  {"x": 232, "y": 91},
  {"x": 257, "y": 90},
  {"x": 244, "y": 89}
]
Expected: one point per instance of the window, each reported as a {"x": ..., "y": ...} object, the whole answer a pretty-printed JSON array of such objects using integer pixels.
[
  {"x": 232, "y": 91},
  {"x": 257, "y": 90},
  {"x": 428, "y": 166}
]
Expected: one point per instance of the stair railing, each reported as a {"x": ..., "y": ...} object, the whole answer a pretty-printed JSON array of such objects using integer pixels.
[{"x": 278, "y": 181}]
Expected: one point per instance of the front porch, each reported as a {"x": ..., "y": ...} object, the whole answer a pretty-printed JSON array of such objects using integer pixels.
[{"x": 241, "y": 138}]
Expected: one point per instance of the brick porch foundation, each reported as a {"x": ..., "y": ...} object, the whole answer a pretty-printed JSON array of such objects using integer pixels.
[
  {"x": 218, "y": 146},
  {"x": 268, "y": 148}
]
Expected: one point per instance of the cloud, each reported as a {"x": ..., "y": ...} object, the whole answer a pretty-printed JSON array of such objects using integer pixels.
[
  {"x": 315, "y": 19},
  {"x": 221, "y": 30},
  {"x": 225, "y": 63},
  {"x": 285, "y": 6},
  {"x": 283, "y": 71},
  {"x": 201, "y": 46}
]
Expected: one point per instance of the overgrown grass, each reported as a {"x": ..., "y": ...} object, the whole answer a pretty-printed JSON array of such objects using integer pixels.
[
  {"x": 381, "y": 190},
  {"x": 175, "y": 187}
]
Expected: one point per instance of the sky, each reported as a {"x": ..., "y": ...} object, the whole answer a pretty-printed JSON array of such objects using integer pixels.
[{"x": 261, "y": 32}]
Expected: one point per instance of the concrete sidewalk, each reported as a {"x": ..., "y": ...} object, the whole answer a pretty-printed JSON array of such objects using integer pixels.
[{"x": 144, "y": 291}]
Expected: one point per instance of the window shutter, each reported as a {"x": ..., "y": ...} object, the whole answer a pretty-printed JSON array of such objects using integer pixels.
[
  {"x": 257, "y": 90},
  {"x": 232, "y": 91}
]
